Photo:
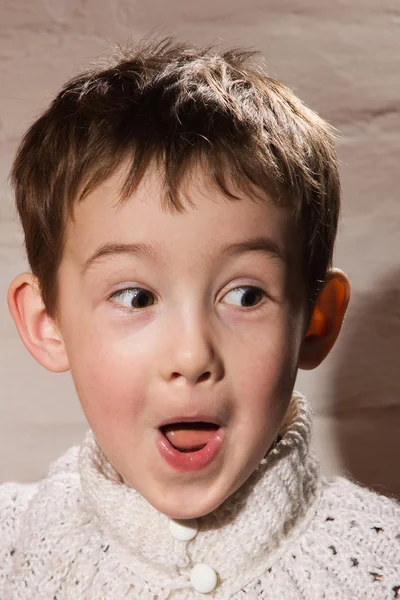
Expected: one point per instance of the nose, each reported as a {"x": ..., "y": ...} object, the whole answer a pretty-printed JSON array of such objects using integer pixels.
[{"x": 191, "y": 355}]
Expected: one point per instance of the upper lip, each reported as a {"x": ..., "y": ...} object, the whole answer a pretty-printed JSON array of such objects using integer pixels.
[{"x": 214, "y": 420}]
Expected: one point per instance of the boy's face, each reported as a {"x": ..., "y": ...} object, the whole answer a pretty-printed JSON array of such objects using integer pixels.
[{"x": 179, "y": 319}]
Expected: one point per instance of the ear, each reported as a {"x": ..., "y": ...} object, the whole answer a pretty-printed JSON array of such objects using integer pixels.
[
  {"x": 37, "y": 330},
  {"x": 326, "y": 320}
]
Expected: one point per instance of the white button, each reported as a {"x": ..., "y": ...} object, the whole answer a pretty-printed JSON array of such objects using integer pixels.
[
  {"x": 184, "y": 530},
  {"x": 203, "y": 578}
]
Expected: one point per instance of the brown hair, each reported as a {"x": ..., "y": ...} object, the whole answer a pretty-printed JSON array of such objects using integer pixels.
[{"x": 176, "y": 104}]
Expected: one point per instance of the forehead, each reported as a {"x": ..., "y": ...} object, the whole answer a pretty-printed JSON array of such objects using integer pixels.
[{"x": 209, "y": 220}]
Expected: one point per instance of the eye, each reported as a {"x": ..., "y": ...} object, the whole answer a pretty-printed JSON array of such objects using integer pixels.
[
  {"x": 245, "y": 296},
  {"x": 136, "y": 298}
]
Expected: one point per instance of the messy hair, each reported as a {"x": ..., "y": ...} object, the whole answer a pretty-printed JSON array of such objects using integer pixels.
[{"x": 178, "y": 106}]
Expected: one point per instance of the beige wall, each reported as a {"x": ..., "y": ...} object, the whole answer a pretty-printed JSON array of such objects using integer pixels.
[{"x": 343, "y": 58}]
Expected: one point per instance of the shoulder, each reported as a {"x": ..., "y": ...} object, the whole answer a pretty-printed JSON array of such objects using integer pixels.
[
  {"x": 22, "y": 503},
  {"x": 14, "y": 500},
  {"x": 362, "y": 519},
  {"x": 347, "y": 498},
  {"x": 354, "y": 538}
]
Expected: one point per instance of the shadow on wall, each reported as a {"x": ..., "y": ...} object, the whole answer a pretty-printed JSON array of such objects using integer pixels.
[{"x": 366, "y": 390}]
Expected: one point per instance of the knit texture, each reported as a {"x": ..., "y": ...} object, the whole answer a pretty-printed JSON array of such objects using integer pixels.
[{"x": 83, "y": 534}]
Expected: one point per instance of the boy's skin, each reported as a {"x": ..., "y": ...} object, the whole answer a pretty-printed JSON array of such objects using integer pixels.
[{"x": 196, "y": 352}]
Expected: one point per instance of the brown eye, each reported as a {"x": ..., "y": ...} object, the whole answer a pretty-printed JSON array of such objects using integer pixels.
[
  {"x": 142, "y": 299},
  {"x": 245, "y": 296},
  {"x": 136, "y": 298}
]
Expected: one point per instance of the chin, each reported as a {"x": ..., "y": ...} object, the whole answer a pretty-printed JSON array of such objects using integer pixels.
[
  {"x": 179, "y": 507},
  {"x": 186, "y": 512}
]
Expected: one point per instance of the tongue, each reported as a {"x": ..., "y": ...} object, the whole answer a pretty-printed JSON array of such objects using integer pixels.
[{"x": 189, "y": 436}]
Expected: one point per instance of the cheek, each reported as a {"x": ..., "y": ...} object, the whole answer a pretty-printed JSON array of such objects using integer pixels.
[
  {"x": 265, "y": 370},
  {"x": 268, "y": 356},
  {"x": 109, "y": 378}
]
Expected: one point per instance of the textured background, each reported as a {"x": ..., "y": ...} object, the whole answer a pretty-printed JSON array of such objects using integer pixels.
[{"x": 342, "y": 57}]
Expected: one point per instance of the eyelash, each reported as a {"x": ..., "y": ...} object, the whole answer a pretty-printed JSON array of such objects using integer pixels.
[{"x": 120, "y": 293}]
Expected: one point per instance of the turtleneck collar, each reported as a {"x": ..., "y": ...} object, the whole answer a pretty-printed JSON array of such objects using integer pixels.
[{"x": 240, "y": 539}]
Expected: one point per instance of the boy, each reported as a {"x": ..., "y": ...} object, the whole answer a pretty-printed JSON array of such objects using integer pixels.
[{"x": 180, "y": 209}]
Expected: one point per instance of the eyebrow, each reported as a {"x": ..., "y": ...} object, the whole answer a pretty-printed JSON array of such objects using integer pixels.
[
  {"x": 255, "y": 244},
  {"x": 145, "y": 250},
  {"x": 113, "y": 249}
]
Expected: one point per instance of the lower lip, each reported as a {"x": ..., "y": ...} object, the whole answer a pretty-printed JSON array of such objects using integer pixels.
[{"x": 191, "y": 461}]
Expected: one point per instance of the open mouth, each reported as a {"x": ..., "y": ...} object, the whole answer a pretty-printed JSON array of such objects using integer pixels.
[
  {"x": 190, "y": 445},
  {"x": 189, "y": 437}
]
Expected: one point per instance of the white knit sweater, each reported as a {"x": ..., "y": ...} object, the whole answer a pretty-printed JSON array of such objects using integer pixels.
[{"x": 287, "y": 534}]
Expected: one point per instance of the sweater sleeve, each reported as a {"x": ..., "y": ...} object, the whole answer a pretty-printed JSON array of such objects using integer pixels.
[{"x": 14, "y": 500}]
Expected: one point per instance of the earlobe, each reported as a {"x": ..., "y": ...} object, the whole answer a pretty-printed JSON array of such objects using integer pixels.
[
  {"x": 37, "y": 330},
  {"x": 326, "y": 320}
]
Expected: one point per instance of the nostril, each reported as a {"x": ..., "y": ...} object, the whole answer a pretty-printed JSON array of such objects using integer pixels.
[{"x": 204, "y": 376}]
